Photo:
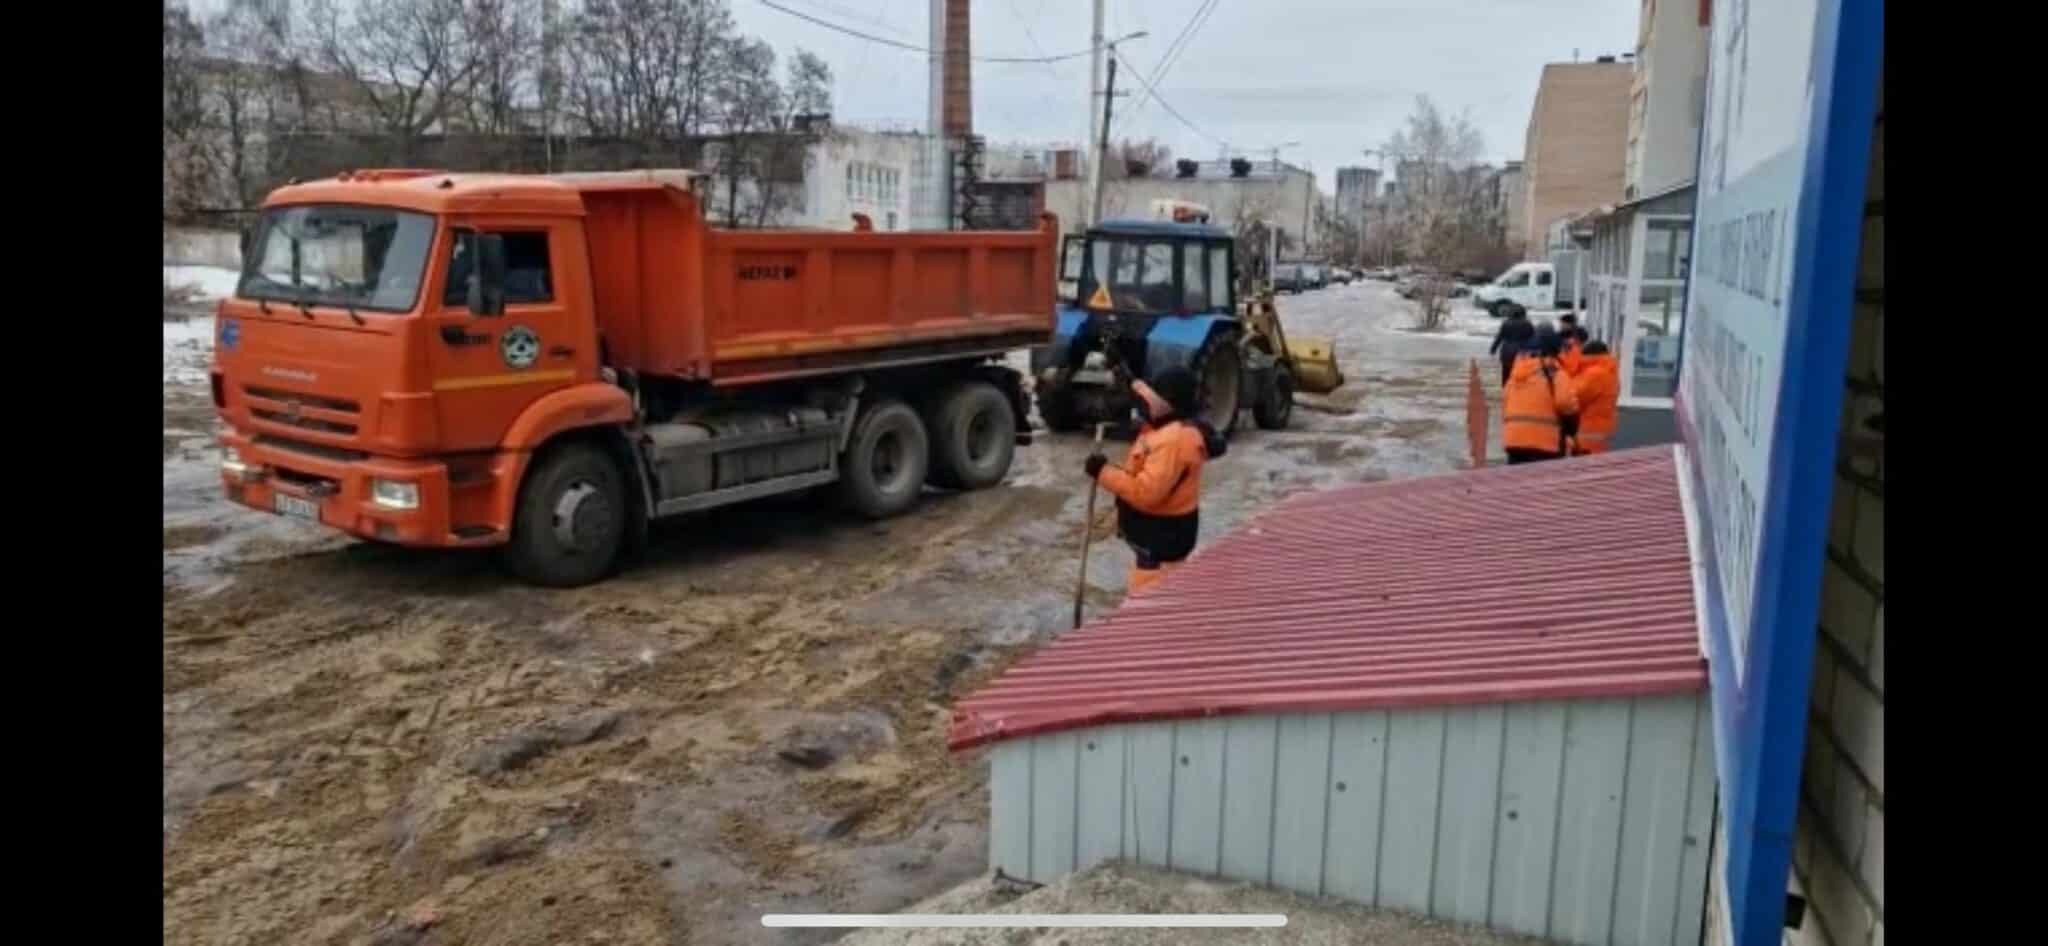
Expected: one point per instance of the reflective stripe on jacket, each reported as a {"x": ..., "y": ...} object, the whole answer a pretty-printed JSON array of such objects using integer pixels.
[{"x": 1538, "y": 395}]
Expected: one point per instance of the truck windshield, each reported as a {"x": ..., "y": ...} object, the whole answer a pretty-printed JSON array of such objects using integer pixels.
[
  {"x": 356, "y": 257},
  {"x": 1139, "y": 274}
]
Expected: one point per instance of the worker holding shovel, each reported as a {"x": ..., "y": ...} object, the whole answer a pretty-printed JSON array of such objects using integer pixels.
[{"x": 1158, "y": 487}]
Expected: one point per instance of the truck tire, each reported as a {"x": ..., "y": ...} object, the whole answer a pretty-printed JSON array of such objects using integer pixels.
[
  {"x": 1056, "y": 408},
  {"x": 974, "y": 436},
  {"x": 882, "y": 471},
  {"x": 1273, "y": 410},
  {"x": 571, "y": 519},
  {"x": 1219, "y": 375}
]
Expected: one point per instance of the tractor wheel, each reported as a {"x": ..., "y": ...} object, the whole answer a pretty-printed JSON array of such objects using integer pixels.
[
  {"x": 1273, "y": 410},
  {"x": 1056, "y": 407},
  {"x": 1219, "y": 375}
]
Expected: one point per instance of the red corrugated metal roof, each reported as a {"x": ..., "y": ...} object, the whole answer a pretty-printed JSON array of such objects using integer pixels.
[{"x": 1541, "y": 581}]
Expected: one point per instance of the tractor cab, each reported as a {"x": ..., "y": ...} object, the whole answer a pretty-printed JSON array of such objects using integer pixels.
[
  {"x": 1158, "y": 293},
  {"x": 1139, "y": 296}
]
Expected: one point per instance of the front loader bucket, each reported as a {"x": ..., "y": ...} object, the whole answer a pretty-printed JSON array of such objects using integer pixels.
[{"x": 1315, "y": 365}]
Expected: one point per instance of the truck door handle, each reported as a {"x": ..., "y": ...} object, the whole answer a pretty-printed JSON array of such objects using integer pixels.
[
  {"x": 561, "y": 351},
  {"x": 455, "y": 335}
]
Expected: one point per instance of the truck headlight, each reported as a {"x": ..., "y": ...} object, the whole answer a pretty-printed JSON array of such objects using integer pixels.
[
  {"x": 234, "y": 466},
  {"x": 392, "y": 494}
]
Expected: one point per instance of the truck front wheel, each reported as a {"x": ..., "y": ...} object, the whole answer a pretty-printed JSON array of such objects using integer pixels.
[
  {"x": 571, "y": 519},
  {"x": 974, "y": 436},
  {"x": 883, "y": 469}
]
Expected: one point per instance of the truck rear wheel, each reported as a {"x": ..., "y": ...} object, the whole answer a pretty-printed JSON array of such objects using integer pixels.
[
  {"x": 974, "y": 436},
  {"x": 883, "y": 469},
  {"x": 571, "y": 519}
]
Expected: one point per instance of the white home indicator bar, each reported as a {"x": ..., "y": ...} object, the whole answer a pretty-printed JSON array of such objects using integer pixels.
[{"x": 1025, "y": 920}]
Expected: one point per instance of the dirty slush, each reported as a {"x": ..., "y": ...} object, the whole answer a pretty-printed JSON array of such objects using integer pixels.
[{"x": 366, "y": 744}]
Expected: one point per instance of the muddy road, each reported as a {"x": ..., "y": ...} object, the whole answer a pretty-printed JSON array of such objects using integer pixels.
[{"x": 374, "y": 745}]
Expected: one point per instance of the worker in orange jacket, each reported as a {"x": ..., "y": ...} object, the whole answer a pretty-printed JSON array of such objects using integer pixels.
[
  {"x": 1158, "y": 488},
  {"x": 1571, "y": 341},
  {"x": 1537, "y": 402},
  {"x": 1597, "y": 383}
]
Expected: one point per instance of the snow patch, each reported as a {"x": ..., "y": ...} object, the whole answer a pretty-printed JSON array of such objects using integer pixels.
[{"x": 208, "y": 282}]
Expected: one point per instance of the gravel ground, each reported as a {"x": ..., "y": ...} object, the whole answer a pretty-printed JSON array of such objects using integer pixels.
[{"x": 366, "y": 744}]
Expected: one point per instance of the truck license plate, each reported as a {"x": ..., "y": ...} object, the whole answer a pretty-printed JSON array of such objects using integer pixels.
[{"x": 295, "y": 507}]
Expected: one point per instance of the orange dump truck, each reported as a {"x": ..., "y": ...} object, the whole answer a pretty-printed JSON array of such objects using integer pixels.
[{"x": 544, "y": 364}]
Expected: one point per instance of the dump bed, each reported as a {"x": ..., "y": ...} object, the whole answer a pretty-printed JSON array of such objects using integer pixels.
[{"x": 678, "y": 297}]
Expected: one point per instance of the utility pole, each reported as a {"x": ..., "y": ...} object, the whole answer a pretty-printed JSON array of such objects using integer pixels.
[
  {"x": 1101, "y": 144},
  {"x": 1095, "y": 129}
]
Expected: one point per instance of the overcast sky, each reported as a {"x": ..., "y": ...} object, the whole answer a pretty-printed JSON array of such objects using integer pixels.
[{"x": 1336, "y": 75}]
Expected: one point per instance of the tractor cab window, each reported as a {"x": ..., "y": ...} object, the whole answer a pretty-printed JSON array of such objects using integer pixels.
[
  {"x": 1072, "y": 252},
  {"x": 1138, "y": 274}
]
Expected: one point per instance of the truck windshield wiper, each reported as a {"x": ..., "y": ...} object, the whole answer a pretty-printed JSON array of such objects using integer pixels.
[{"x": 305, "y": 307}]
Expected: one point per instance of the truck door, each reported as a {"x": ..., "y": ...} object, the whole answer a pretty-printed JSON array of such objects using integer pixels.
[
  {"x": 487, "y": 369},
  {"x": 1543, "y": 295}
]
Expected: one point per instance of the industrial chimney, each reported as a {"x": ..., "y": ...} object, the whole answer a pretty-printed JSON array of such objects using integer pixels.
[{"x": 958, "y": 109}]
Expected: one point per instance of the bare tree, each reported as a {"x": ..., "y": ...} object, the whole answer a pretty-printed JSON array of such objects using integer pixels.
[
  {"x": 1439, "y": 215},
  {"x": 1139, "y": 158},
  {"x": 505, "y": 35},
  {"x": 409, "y": 63},
  {"x": 188, "y": 152},
  {"x": 766, "y": 126}
]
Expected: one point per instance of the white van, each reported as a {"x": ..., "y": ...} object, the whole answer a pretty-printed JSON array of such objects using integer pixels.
[{"x": 1533, "y": 286}]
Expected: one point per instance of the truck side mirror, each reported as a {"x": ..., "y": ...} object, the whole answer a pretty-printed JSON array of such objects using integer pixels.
[{"x": 487, "y": 279}]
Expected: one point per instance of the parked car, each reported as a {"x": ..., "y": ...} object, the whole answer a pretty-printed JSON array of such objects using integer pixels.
[
  {"x": 1289, "y": 277},
  {"x": 1316, "y": 275},
  {"x": 1340, "y": 275}
]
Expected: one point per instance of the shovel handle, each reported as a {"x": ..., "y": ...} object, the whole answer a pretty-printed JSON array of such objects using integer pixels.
[{"x": 1087, "y": 532}]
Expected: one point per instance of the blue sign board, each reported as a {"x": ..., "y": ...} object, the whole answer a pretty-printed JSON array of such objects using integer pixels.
[{"x": 1784, "y": 153}]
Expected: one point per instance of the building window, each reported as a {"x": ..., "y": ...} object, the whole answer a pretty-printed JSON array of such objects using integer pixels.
[
  {"x": 1656, "y": 330},
  {"x": 849, "y": 181},
  {"x": 1670, "y": 242}
]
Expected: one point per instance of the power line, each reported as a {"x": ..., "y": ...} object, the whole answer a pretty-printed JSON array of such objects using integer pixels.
[
  {"x": 870, "y": 37},
  {"x": 1154, "y": 93},
  {"x": 1176, "y": 48}
]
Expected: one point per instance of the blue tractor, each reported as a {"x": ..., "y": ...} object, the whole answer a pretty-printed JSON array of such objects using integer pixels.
[{"x": 1147, "y": 295}]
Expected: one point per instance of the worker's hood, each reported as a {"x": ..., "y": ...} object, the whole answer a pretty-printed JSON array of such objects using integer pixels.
[{"x": 1528, "y": 366}]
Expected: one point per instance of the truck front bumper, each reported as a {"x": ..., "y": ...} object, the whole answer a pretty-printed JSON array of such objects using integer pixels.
[{"x": 387, "y": 499}]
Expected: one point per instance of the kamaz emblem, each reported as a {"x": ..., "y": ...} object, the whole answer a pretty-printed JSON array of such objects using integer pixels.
[{"x": 768, "y": 272}]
